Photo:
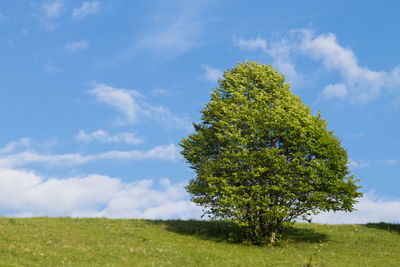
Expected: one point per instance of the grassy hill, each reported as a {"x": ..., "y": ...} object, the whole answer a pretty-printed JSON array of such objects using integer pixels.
[{"x": 108, "y": 242}]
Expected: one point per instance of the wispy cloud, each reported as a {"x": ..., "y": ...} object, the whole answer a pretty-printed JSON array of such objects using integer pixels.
[
  {"x": 170, "y": 33},
  {"x": 251, "y": 44},
  {"x": 335, "y": 91},
  {"x": 165, "y": 117},
  {"x": 131, "y": 105},
  {"x": 212, "y": 74},
  {"x": 124, "y": 101},
  {"x": 164, "y": 152},
  {"x": 357, "y": 135},
  {"x": 388, "y": 162},
  {"x": 51, "y": 68},
  {"x": 103, "y": 137},
  {"x": 358, "y": 164},
  {"x": 87, "y": 9},
  {"x": 49, "y": 11},
  {"x": 53, "y": 9},
  {"x": 74, "y": 47},
  {"x": 162, "y": 92},
  {"x": 26, "y": 194},
  {"x": 24, "y": 142},
  {"x": 176, "y": 38},
  {"x": 366, "y": 163},
  {"x": 358, "y": 83},
  {"x": 279, "y": 51}
]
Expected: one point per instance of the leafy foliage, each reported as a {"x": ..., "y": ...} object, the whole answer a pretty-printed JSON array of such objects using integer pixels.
[{"x": 262, "y": 159}]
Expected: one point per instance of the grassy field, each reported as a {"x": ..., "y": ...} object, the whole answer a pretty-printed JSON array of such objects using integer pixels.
[{"x": 108, "y": 242}]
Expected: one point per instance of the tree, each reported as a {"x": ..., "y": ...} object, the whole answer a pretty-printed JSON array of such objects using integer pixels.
[{"x": 262, "y": 159}]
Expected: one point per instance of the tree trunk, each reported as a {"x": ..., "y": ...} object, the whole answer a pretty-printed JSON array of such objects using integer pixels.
[{"x": 272, "y": 237}]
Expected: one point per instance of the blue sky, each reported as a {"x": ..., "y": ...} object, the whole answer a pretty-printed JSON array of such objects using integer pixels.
[{"x": 96, "y": 95}]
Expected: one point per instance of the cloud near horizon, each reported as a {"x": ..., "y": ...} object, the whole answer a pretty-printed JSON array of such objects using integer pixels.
[
  {"x": 25, "y": 193},
  {"x": 370, "y": 209}
]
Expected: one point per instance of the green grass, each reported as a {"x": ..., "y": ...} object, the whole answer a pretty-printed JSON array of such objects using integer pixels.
[{"x": 107, "y": 242}]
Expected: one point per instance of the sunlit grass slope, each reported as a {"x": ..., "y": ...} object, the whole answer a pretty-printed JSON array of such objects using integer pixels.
[{"x": 108, "y": 242}]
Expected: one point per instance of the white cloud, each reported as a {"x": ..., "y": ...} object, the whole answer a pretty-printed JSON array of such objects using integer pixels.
[
  {"x": 358, "y": 164},
  {"x": 29, "y": 157},
  {"x": 326, "y": 48},
  {"x": 126, "y": 102},
  {"x": 366, "y": 83},
  {"x": 359, "y": 83},
  {"x": 371, "y": 208},
  {"x": 251, "y": 44},
  {"x": 122, "y": 100},
  {"x": 335, "y": 91},
  {"x": 74, "y": 47},
  {"x": 164, "y": 152},
  {"x": 169, "y": 152},
  {"x": 103, "y": 137},
  {"x": 87, "y": 8},
  {"x": 25, "y": 194},
  {"x": 13, "y": 145},
  {"x": 212, "y": 74}
]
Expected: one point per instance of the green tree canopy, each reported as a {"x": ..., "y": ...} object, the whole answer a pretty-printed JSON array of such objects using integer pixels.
[{"x": 262, "y": 159}]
